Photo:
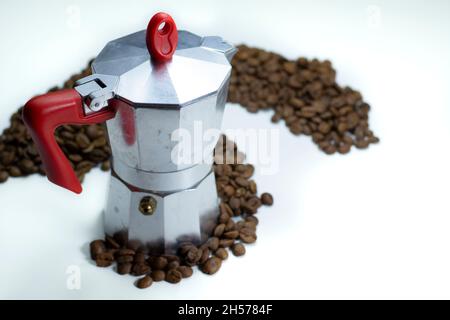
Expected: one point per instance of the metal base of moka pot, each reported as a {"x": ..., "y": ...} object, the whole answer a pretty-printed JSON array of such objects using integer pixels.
[{"x": 159, "y": 222}]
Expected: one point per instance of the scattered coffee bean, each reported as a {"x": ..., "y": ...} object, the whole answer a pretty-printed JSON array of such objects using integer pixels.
[
  {"x": 185, "y": 271},
  {"x": 97, "y": 247},
  {"x": 126, "y": 252},
  {"x": 139, "y": 257},
  {"x": 173, "y": 265},
  {"x": 267, "y": 199},
  {"x": 247, "y": 235},
  {"x": 231, "y": 234},
  {"x": 14, "y": 171},
  {"x": 252, "y": 219},
  {"x": 173, "y": 276},
  {"x": 3, "y": 176},
  {"x": 159, "y": 263},
  {"x": 111, "y": 243},
  {"x": 205, "y": 255},
  {"x": 144, "y": 282},
  {"x": 213, "y": 243},
  {"x": 238, "y": 249},
  {"x": 158, "y": 275},
  {"x": 221, "y": 253},
  {"x": 225, "y": 243},
  {"x": 103, "y": 263},
  {"x": 107, "y": 255},
  {"x": 124, "y": 268},
  {"x": 125, "y": 259},
  {"x": 139, "y": 269},
  {"x": 212, "y": 265},
  {"x": 218, "y": 231}
]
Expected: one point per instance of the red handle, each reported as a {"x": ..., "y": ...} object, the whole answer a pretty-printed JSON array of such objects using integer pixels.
[
  {"x": 42, "y": 115},
  {"x": 162, "y": 37}
]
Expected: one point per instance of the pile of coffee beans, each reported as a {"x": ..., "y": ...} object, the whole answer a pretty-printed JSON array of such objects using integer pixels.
[
  {"x": 235, "y": 228},
  {"x": 304, "y": 94}
]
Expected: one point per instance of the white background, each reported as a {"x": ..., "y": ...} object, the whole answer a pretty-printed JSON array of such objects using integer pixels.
[{"x": 370, "y": 224}]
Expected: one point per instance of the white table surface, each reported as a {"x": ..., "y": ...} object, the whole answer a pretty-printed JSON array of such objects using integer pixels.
[{"x": 371, "y": 224}]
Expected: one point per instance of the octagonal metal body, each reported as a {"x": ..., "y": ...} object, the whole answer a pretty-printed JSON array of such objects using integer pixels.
[{"x": 153, "y": 101}]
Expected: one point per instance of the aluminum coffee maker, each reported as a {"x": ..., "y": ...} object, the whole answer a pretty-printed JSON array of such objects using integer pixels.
[{"x": 146, "y": 86}]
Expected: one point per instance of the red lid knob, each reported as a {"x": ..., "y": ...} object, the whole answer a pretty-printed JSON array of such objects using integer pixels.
[{"x": 162, "y": 37}]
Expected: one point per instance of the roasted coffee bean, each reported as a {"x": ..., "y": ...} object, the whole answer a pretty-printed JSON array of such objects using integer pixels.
[
  {"x": 140, "y": 269},
  {"x": 125, "y": 259},
  {"x": 242, "y": 182},
  {"x": 223, "y": 218},
  {"x": 185, "y": 271},
  {"x": 173, "y": 276},
  {"x": 231, "y": 234},
  {"x": 3, "y": 176},
  {"x": 97, "y": 247},
  {"x": 173, "y": 265},
  {"x": 93, "y": 132},
  {"x": 230, "y": 226},
  {"x": 252, "y": 219},
  {"x": 124, "y": 268},
  {"x": 221, "y": 253},
  {"x": 126, "y": 252},
  {"x": 121, "y": 238},
  {"x": 239, "y": 225},
  {"x": 27, "y": 166},
  {"x": 213, "y": 243},
  {"x": 82, "y": 140},
  {"x": 235, "y": 203},
  {"x": 104, "y": 256},
  {"x": 252, "y": 187},
  {"x": 75, "y": 157},
  {"x": 218, "y": 231},
  {"x": 139, "y": 257},
  {"x": 250, "y": 225},
  {"x": 159, "y": 263},
  {"x": 193, "y": 256},
  {"x": 103, "y": 263},
  {"x": 111, "y": 243},
  {"x": 144, "y": 282},
  {"x": 238, "y": 249},
  {"x": 6, "y": 158},
  {"x": 225, "y": 243},
  {"x": 226, "y": 210},
  {"x": 184, "y": 249},
  {"x": 247, "y": 235},
  {"x": 171, "y": 257},
  {"x": 212, "y": 265},
  {"x": 228, "y": 190},
  {"x": 267, "y": 199},
  {"x": 158, "y": 275},
  {"x": 251, "y": 206},
  {"x": 14, "y": 171},
  {"x": 205, "y": 255}
]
